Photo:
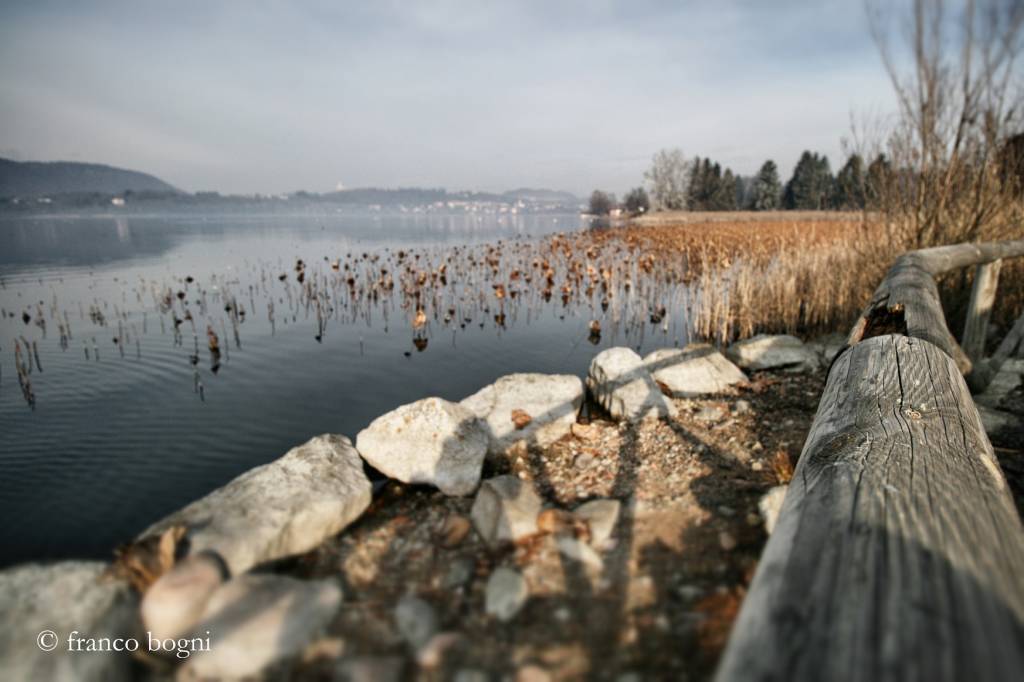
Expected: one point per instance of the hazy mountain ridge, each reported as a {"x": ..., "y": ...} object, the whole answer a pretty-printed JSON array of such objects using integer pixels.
[{"x": 41, "y": 178}]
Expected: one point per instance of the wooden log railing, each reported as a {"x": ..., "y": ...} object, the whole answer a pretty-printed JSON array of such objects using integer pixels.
[{"x": 898, "y": 553}]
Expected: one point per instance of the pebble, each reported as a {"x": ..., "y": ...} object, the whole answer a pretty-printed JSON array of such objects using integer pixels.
[
  {"x": 583, "y": 460},
  {"x": 579, "y": 551},
  {"x": 727, "y": 541},
  {"x": 459, "y": 572},
  {"x": 372, "y": 669},
  {"x": 416, "y": 621},
  {"x": 743, "y": 407},
  {"x": 470, "y": 675},
  {"x": 506, "y": 593},
  {"x": 601, "y": 516},
  {"x": 757, "y": 466},
  {"x": 454, "y": 530},
  {"x": 532, "y": 673},
  {"x": 689, "y": 592},
  {"x": 711, "y": 413},
  {"x": 432, "y": 653}
]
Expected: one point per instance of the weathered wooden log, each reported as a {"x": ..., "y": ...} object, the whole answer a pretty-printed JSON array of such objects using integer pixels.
[
  {"x": 983, "y": 296},
  {"x": 907, "y": 301},
  {"x": 898, "y": 554}
]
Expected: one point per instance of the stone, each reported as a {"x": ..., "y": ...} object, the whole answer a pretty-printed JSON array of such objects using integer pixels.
[
  {"x": 430, "y": 441},
  {"x": 454, "y": 530},
  {"x": 601, "y": 516},
  {"x": 828, "y": 346},
  {"x": 431, "y": 654},
  {"x": 255, "y": 621},
  {"x": 693, "y": 371},
  {"x": 471, "y": 675},
  {"x": 770, "y": 505},
  {"x": 283, "y": 508},
  {"x": 174, "y": 604},
  {"x": 505, "y": 510},
  {"x": 621, "y": 383},
  {"x": 710, "y": 414},
  {"x": 372, "y": 669},
  {"x": 61, "y": 598},
  {"x": 505, "y": 595},
  {"x": 579, "y": 551},
  {"x": 727, "y": 541},
  {"x": 534, "y": 409},
  {"x": 766, "y": 351},
  {"x": 743, "y": 407},
  {"x": 458, "y": 573},
  {"x": 416, "y": 621},
  {"x": 532, "y": 673}
]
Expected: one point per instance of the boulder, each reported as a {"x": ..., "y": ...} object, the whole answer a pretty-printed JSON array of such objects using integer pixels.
[
  {"x": 174, "y": 603},
  {"x": 621, "y": 383},
  {"x": 505, "y": 510},
  {"x": 537, "y": 409},
  {"x": 827, "y": 347},
  {"x": 693, "y": 371},
  {"x": 766, "y": 351},
  {"x": 429, "y": 441},
  {"x": 505, "y": 594},
  {"x": 257, "y": 620},
  {"x": 62, "y": 598},
  {"x": 286, "y": 507}
]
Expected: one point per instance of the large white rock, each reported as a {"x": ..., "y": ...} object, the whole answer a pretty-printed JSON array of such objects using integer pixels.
[
  {"x": 693, "y": 371},
  {"x": 505, "y": 510},
  {"x": 174, "y": 603},
  {"x": 766, "y": 351},
  {"x": 62, "y": 598},
  {"x": 429, "y": 441},
  {"x": 256, "y": 620},
  {"x": 550, "y": 401},
  {"x": 621, "y": 383},
  {"x": 286, "y": 507}
]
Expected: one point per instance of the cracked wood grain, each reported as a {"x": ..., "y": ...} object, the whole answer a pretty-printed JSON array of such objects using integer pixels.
[{"x": 898, "y": 554}]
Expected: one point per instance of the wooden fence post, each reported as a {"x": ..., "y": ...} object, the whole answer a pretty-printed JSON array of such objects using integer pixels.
[{"x": 983, "y": 295}]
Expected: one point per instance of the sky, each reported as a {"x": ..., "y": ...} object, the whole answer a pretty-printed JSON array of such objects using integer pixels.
[{"x": 271, "y": 97}]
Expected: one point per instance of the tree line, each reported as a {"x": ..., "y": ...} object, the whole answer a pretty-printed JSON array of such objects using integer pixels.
[{"x": 677, "y": 183}]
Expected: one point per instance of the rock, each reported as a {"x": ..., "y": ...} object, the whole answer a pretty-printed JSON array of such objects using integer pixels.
[
  {"x": 256, "y": 620},
  {"x": 431, "y": 654},
  {"x": 583, "y": 460},
  {"x": 416, "y": 621},
  {"x": 554, "y": 521},
  {"x": 429, "y": 441},
  {"x": 727, "y": 541},
  {"x": 766, "y": 351},
  {"x": 454, "y": 530},
  {"x": 696, "y": 370},
  {"x": 711, "y": 414},
  {"x": 459, "y": 572},
  {"x": 471, "y": 675},
  {"x": 585, "y": 431},
  {"x": 579, "y": 551},
  {"x": 535, "y": 409},
  {"x": 174, "y": 604},
  {"x": 601, "y": 516},
  {"x": 770, "y": 505},
  {"x": 372, "y": 669},
  {"x": 828, "y": 346},
  {"x": 286, "y": 507},
  {"x": 505, "y": 509},
  {"x": 62, "y": 598},
  {"x": 532, "y": 673},
  {"x": 622, "y": 385},
  {"x": 743, "y": 407},
  {"x": 506, "y": 593}
]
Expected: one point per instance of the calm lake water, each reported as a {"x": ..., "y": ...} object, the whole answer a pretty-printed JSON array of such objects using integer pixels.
[{"x": 131, "y": 420}]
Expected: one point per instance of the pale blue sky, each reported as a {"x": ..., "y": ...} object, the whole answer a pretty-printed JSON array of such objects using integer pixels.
[{"x": 278, "y": 96}]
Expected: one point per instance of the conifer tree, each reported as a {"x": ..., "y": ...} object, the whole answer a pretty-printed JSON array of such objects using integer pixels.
[{"x": 767, "y": 190}]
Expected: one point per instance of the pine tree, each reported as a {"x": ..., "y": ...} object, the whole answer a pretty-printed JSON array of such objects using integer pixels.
[
  {"x": 810, "y": 188},
  {"x": 849, "y": 185},
  {"x": 767, "y": 190}
]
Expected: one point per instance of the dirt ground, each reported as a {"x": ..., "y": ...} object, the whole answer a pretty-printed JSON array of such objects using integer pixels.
[{"x": 658, "y": 605}]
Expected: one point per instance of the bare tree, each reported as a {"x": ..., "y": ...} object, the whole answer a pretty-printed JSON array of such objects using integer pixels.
[
  {"x": 959, "y": 96},
  {"x": 668, "y": 177}
]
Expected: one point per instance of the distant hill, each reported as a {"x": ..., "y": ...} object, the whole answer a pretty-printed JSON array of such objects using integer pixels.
[
  {"x": 37, "y": 178},
  {"x": 546, "y": 195}
]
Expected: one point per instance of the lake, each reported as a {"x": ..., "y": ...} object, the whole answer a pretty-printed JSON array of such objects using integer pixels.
[{"x": 131, "y": 414}]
